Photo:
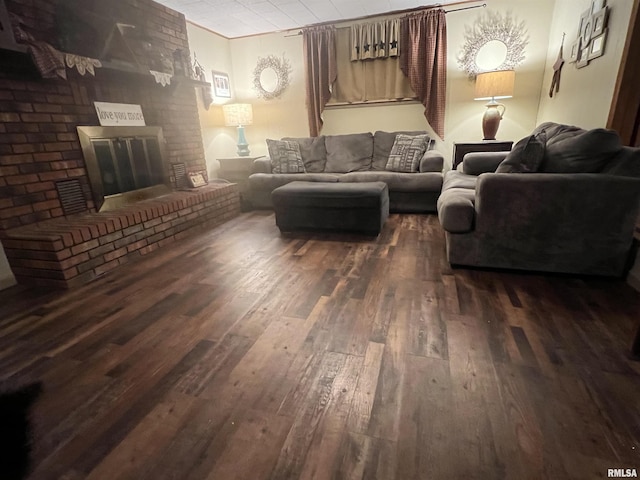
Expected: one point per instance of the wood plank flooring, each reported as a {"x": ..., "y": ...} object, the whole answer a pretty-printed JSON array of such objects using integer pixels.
[{"x": 244, "y": 354}]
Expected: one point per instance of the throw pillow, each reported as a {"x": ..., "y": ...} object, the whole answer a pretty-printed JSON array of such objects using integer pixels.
[
  {"x": 580, "y": 151},
  {"x": 406, "y": 153},
  {"x": 285, "y": 156},
  {"x": 526, "y": 156}
]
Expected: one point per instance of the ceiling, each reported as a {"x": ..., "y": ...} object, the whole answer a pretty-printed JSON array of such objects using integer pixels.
[{"x": 238, "y": 18}]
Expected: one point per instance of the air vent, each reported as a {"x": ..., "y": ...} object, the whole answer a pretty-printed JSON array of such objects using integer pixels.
[
  {"x": 71, "y": 196},
  {"x": 180, "y": 174}
]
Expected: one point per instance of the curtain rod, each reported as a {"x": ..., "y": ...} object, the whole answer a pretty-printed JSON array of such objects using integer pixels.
[{"x": 396, "y": 12}]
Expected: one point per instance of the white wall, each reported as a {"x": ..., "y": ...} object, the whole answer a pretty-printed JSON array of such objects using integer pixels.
[
  {"x": 585, "y": 94},
  {"x": 213, "y": 53},
  {"x": 463, "y": 114},
  {"x": 6, "y": 277},
  {"x": 287, "y": 115}
]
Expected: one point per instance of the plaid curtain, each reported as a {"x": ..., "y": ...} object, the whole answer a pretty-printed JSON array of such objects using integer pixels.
[
  {"x": 423, "y": 59},
  {"x": 320, "y": 62}
]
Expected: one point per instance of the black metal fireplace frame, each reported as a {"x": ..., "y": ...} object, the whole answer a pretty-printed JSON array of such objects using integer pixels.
[{"x": 90, "y": 134}]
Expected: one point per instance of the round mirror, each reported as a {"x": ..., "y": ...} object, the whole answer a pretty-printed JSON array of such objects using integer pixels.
[
  {"x": 491, "y": 55},
  {"x": 271, "y": 76},
  {"x": 269, "y": 80},
  {"x": 493, "y": 42}
]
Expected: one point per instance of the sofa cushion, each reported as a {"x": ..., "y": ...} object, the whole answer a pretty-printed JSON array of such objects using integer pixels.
[
  {"x": 406, "y": 153},
  {"x": 398, "y": 181},
  {"x": 526, "y": 156},
  {"x": 382, "y": 144},
  {"x": 348, "y": 153},
  {"x": 313, "y": 152},
  {"x": 457, "y": 179},
  {"x": 285, "y": 156},
  {"x": 573, "y": 150},
  {"x": 269, "y": 181}
]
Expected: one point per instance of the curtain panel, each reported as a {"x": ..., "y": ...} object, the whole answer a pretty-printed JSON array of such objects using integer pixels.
[
  {"x": 367, "y": 81},
  {"x": 375, "y": 40},
  {"x": 320, "y": 65},
  {"x": 423, "y": 59}
]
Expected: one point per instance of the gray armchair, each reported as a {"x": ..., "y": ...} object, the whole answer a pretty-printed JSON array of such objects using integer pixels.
[{"x": 555, "y": 221}]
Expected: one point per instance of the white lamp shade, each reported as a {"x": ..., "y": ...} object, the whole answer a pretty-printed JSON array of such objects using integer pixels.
[
  {"x": 498, "y": 84},
  {"x": 237, "y": 114}
]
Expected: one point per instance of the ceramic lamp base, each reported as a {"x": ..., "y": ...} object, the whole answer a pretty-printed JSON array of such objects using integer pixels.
[
  {"x": 243, "y": 146},
  {"x": 491, "y": 120}
]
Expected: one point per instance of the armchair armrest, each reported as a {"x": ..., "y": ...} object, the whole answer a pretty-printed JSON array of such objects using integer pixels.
[
  {"x": 261, "y": 165},
  {"x": 475, "y": 163},
  {"x": 431, "y": 161}
]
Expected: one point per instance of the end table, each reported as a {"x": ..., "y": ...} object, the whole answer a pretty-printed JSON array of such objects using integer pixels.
[
  {"x": 237, "y": 170},
  {"x": 460, "y": 149}
]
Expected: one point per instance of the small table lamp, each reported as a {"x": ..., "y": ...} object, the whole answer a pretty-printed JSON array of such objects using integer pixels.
[
  {"x": 491, "y": 86},
  {"x": 239, "y": 115}
]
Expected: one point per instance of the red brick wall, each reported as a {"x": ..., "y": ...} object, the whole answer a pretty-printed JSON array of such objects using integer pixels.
[{"x": 38, "y": 118}]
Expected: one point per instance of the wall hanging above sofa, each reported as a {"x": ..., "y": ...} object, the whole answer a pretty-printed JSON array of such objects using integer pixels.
[
  {"x": 493, "y": 42},
  {"x": 271, "y": 76}
]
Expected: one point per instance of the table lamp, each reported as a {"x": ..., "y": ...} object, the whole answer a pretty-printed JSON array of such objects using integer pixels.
[
  {"x": 239, "y": 115},
  {"x": 491, "y": 86}
]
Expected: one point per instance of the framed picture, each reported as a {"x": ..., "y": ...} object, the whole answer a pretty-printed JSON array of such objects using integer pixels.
[
  {"x": 586, "y": 27},
  {"x": 596, "y": 49},
  {"x": 600, "y": 21},
  {"x": 583, "y": 59},
  {"x": 575, "y": 51},
  {"x": 221, "y": 87},
  {"x": 196, "y": 179}
]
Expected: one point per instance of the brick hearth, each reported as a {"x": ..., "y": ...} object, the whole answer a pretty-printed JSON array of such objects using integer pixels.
[{"x": 74, "y": 250}]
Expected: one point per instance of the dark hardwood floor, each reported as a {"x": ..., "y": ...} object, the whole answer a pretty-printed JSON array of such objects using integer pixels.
[{"x": 243, "y": 354}]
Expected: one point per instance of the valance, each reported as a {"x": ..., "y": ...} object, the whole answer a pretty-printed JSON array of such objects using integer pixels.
[{"x": 375, "y": 40}]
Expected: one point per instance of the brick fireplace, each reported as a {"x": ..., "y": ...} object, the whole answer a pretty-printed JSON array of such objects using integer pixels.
[{"x": 40, "y": 147}]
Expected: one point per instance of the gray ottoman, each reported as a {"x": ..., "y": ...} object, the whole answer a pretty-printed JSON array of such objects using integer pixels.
[{"x": 352, "y": 207}]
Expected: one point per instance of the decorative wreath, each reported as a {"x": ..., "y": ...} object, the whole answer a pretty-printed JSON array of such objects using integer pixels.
[
  {"x": 493, "y": 26},
  {"x": 282, "y": 68}
]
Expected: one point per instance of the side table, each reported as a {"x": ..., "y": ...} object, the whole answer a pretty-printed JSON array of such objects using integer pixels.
[
  {"x": 460, "y": 149},
  {"x": 237, "y": 170}
]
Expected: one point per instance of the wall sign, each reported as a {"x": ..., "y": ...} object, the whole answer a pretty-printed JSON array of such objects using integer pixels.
[{"x": 119, "y": 114}]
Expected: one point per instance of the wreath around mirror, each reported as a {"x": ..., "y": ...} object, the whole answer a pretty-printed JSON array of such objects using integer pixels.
[
  {"x": 492, "y": 27},
  {"x": 282, "y": 69}
]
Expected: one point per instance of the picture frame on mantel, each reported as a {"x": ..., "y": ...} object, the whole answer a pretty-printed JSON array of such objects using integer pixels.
[{"x": 221, "y": 84}]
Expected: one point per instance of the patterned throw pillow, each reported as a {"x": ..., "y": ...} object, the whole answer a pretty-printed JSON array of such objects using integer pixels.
[
  {"x": 285, "y": 156},
  {"x": 406, "y": 153}
]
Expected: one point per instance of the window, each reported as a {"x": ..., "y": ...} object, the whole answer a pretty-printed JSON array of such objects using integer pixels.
[{"x": 362, "y": 81}]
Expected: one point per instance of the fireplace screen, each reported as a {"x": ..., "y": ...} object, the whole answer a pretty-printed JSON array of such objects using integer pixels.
[{"x": 125, "y": 164}]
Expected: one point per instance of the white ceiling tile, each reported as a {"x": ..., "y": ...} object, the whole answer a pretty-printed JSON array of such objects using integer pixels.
[{"x": 237, "y": 18}]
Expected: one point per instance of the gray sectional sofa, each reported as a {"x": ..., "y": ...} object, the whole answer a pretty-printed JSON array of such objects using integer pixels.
[
  {"x": 360, "y": 157},
  {"x": 572, "y": 208}
]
